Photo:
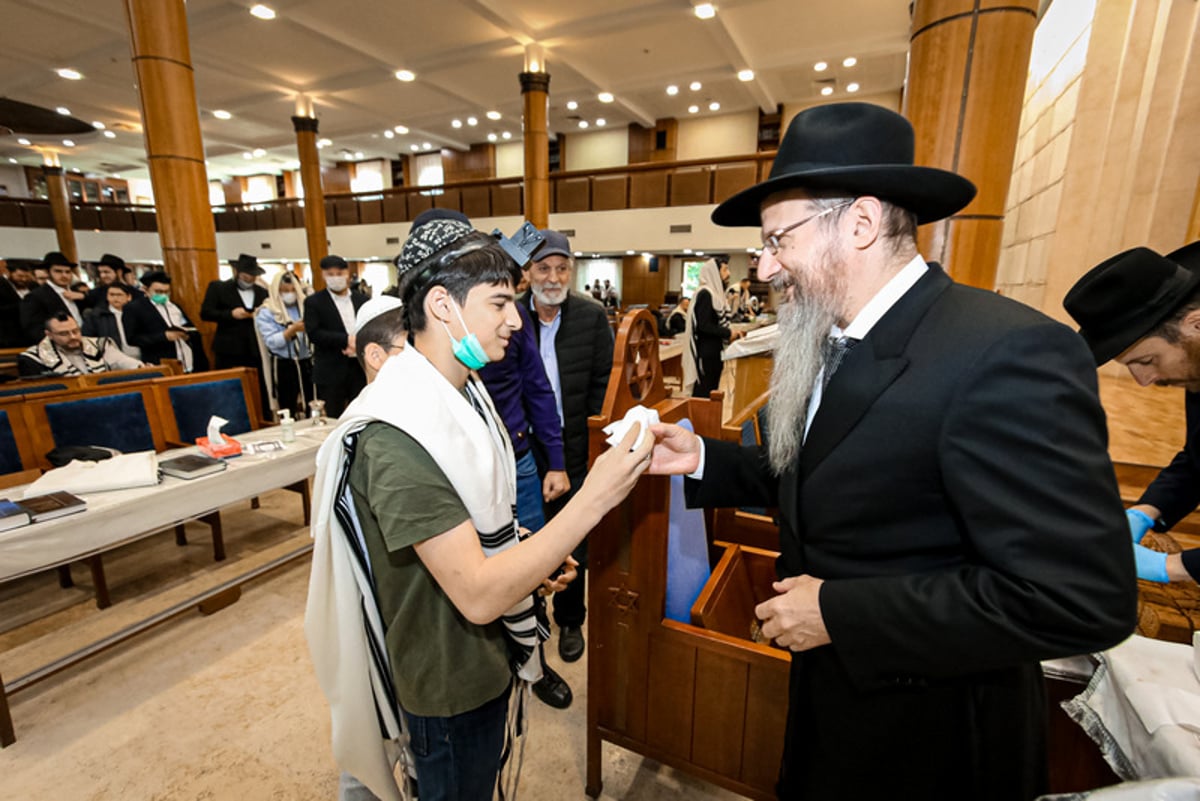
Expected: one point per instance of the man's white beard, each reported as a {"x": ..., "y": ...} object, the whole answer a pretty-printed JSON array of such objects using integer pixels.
[
  {"x": 539, "y": 294},
  {"x": 804, "y": 322}
]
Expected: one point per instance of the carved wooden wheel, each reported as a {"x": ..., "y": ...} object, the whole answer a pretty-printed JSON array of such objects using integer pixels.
[{"x": 641, "y": 357}]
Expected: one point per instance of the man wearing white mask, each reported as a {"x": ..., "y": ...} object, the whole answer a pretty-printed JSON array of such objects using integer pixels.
[{"x": 329, "y": 323}]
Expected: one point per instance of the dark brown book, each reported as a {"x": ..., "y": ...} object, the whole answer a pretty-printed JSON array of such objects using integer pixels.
[{"x": 55, "y": 504}]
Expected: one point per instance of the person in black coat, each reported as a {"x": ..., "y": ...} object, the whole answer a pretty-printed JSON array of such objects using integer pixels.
[
  {"x": 948, "y": 512},
  {"x": 13, "y": 288},
  {"x": 707, "y": 328},
  {"x": 577, "y": 365},
  {"x": 1142, "y": 310},
  {"x": 52, "y": 298},
  {"x": 108, "y": 319},
  {"x": 160, "y": 329},
  {"x": 108, "y": 272},
  {"x": 231, "y": 305},
  {"x": 329, "y": 323}
]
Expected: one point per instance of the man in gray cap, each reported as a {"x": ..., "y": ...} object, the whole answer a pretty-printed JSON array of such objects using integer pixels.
[
  {"x": 1142, "y": 310},
  {"x": 576, "y": 346},
  {"x": 948, "y": 515}
]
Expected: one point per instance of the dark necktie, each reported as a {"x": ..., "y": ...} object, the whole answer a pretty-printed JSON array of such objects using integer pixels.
[{"x": 836, "y": 349}]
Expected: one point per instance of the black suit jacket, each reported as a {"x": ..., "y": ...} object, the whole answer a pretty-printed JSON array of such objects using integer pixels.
[
  {"x": 38, "y": 306},
  {"x": 956, "y": 495},
  {"x": 11, "y": 333},
  {"x": 234, "y": 338},
  {"x": 146, "y": 329},
  {"x": 328, "y": 335}
]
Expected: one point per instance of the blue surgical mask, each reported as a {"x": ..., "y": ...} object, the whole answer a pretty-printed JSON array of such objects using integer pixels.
[{"x": 467, "y": 350}]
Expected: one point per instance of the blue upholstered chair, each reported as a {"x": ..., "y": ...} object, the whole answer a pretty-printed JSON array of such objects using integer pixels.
[
  {"x": 123, "y": 376},
  {"x": 194, "y": 403},
  {"x": 109, "y": 421},
  {"x": 687, "y": 552},
  {"x": 17, "y": 389}
]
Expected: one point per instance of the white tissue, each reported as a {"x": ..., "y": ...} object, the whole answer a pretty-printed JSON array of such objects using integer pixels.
[
  {"x": 638, "y": 414},
  {"x": 214, "y": 431}
]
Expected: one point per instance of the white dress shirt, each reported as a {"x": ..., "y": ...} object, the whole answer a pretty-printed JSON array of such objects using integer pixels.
[
  {"x": 345, "y": 307},
  {"x": 71, "y": 307}
]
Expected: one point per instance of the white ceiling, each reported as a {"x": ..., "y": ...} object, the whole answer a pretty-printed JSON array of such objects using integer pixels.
[{"x": 466, "y": 55}]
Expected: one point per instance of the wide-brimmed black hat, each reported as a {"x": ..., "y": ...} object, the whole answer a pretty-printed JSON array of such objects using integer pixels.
[
  {"x": 55, "y": 257},
  {"x": 246, "y": 264},
  {"x": 116, "y": 262},
  {"x": 1125, "y": 297},
  {"x": 858, "y": 148}
]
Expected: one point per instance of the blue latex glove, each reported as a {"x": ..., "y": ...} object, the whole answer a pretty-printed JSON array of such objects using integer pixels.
[
  {"x": 1151, "y": 565},
  {"x": 1139, "y": 524}
]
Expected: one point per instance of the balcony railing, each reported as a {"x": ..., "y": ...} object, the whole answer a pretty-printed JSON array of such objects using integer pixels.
[{"x": 636, "y": 186}]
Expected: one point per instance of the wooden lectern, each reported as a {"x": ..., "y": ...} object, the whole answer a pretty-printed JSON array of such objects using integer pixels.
[{"x": 701, "y": 697}]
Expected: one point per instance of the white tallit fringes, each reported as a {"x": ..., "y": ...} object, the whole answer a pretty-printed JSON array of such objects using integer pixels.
[{"x": 513, "y": 755}]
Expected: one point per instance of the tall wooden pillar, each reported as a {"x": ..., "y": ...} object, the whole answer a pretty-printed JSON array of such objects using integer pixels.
[
  {"x": 162, "y": 63},
  {"x": 535, "y": 90},
  {"x": 314, "y": 193},
  {"x": 60, "y": 206},
  {"x": 968, "y": 62}
]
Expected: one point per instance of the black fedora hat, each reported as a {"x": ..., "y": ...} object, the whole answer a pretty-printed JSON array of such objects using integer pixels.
[
  {"x": 859, "y": 148},
  {"x": 1127, "y": 296},
  {"x": 116, "y": 262},
  {"x": 246, "y": 264},
  {"x": 55, "y": 257}
]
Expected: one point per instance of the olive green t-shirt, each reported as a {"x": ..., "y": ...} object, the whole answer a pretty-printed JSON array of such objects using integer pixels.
[{"x": 442, "y": 664}]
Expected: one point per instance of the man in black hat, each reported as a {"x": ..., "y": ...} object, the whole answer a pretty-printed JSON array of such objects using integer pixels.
[
  {"x": 231, "y": 305},
  {"x": 948, "y": 515},
  {"x": 1143, "y": 311},
  {"x": 108, "y": 272},
  {"x": 52, "y": 298},
  {"x": 329, "y": 323}
]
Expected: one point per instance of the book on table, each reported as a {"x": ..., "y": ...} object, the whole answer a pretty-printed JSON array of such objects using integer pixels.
[
  {"x": 12, "y": 516},
  {"x": 51, "y": 505},
  {"x": 191, "y": 465}
]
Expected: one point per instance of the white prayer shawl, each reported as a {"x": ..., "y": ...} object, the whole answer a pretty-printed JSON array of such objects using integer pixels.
[
  {"x": 710, "y": 282},
  {"x": 342, "y": 622}
]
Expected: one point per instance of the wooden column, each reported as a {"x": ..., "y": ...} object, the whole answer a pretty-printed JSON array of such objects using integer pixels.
[
  {"x": 60, "y": 207},
  {"x": 535, "y": 90},
  {"x": 314, "y": 193},
  {"x": 162, "y": 63},
  {"x": 966, "y": 82}
]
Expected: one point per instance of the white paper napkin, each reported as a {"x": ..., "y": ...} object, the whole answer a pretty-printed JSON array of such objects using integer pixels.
[{"x": 618, "y": 429}]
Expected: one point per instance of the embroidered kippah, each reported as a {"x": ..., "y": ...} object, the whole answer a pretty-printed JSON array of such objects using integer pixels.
[{"x": 430, "y": 238}]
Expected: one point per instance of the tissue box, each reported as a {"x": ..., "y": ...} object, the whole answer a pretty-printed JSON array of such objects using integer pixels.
[{"x": 230, "y": 448}]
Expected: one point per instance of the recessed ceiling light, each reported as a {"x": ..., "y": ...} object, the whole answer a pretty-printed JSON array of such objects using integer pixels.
[
  {"x": 826, "y": 91},
  {"x": 693, "y": 109},
  {"x": 472, "y": 121},
  {"x": 583, "y": 123},
  {"x": 401, "y": 129},
  {"x": 506, "y": 135},
  {"x": 705, "y": 11},
  {"x": 578, "y": 253},
  {"x": 629, "y": 253},
  {"x": 751, "y": 250},
  {"x": 389, "y": 134},
  {"x": 849, "y": 61},
  {"x": 262, "y": 12},
  {"x": 492, "y": 137},
  {"x": 687, "y": 251},
  {"x": 695, "y": 86},
  {"x": 851, "y": 87},
  {"x": 672, "y": 90},
  {"x": 68, "y": 143},
  {"x": 714, "y": 106},
  {"x": 99, "y": 126},
  {"x": 11, "y": 160},
  {"x": 455, "y": 123},
  {"x": 601, "y": 122},
  {"x": 69, "y": 74},
  {"x": 493, "y": 115},
  {"x": 22, "y": 141},
  {"x": 358, "y": 156},
  {"x": 427, "y": 146},
  {"x": 745, "y": 75},
  {"x": 820, "y": 66},
  {"x": 324, "y": 142},
  {"x": 63, "y": 110},
  {"x": 259, "y": 152},
  {"x": 247, "y": 155},
  {"x": 605, "y": 97},
  {"x": 222, "y": 114},
  {"x": 406, "y": 75},
  {"x": 110, "y": 135},
  {"x": 647, "y": 255},
  {"x": 699, "y": 252},
  {"x": 414, "y": 148},
  {"x": 572, "y": 105}
]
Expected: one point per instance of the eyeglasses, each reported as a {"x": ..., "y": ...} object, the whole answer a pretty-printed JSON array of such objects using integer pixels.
[{"x": 771, "y": 240}]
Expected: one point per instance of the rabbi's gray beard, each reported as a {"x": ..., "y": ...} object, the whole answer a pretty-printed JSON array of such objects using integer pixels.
[{"x": 813, "y": 302}]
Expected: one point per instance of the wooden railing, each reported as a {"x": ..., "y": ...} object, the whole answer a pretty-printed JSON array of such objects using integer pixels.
[{"x": 635, "y": 186}]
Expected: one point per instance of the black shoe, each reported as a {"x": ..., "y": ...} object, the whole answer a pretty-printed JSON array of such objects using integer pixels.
[
  {"x": 570, "y": 643},
  {"x": 552, "y": 689}
]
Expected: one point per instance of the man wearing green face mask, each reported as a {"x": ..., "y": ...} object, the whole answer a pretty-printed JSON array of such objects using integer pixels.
[{"x": 160, "y": 328}]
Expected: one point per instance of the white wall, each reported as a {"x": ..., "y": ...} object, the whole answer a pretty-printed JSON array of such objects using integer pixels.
[
  {"x": 12, "y": 179},
  {"x": 597, "y": 149},
  {"x": 716, "y": 136},
  {"x": 510, "y": 160},
  {"x": 36, "y": 242}
]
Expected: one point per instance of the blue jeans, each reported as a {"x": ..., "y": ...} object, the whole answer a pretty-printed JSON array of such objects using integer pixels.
[
  {"x": 529, "y": 494},
  {"x": 458, "y": 758}
]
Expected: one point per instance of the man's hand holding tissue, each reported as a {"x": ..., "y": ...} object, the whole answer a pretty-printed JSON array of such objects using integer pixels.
[
  {"x": 676, "y": 450},
  {"x": 793, "y": 618}
]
